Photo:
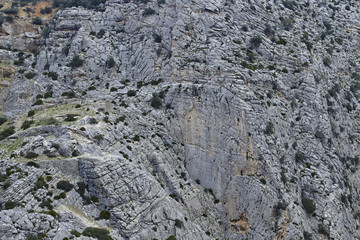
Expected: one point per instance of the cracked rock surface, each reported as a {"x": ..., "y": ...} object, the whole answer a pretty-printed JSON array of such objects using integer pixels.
[{"x": 195, "y": 119}]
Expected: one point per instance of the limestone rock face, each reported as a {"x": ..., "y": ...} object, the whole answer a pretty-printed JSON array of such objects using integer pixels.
[{"x": 196, "y": 119}]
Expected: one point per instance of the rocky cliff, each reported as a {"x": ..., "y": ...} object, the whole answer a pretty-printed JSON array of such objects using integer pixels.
[{"x": 191, "y": 119}]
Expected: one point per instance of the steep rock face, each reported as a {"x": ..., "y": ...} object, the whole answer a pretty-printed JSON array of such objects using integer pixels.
[{"x": 256, "y": 102}]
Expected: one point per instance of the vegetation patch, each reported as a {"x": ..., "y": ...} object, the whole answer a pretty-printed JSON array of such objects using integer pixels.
[{"x": 99, "y": 233}]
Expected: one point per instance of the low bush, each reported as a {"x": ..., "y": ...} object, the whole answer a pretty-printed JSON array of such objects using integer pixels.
[
  {"x": 104, "y": 214},
  {"x": 76, "y": 62},
  {"x": 10, "y": 205},
  {"x": 32, "y": 164},
  {"x": 309, "y": 205},
  {"x": 64, "y": 185},
  {"x": 131, "y": 93},
  {"x": 37, "y": 21},
  {"x": 7, "y": 132},
  {"x": 99, "y": 233},
  {"x": 31, "y": 113},
  {"x": 30, "y": 75},
  {"x": 148, "y": 12},
  {"x": 31, "y": 155},
  {"x": 26, "y": 124},
  {"x": 2, "y": 120},
  {"x": 156, "y": 102},
  {"x": 256, "y": 41},
  {"x": 53, "y": 75},
  {"x": 70, "y": 118}
]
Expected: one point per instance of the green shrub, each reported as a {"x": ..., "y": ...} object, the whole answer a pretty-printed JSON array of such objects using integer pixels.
[
  {"x": 53, "y": 75},
  {"x": 46, "y": 204},
  {"x": 327, "y": 61},
  {"x": 64, "y": 185},
  {"x": 60, "y": 196},
  {"x": 46, "y": 10},
  {"x": 70, "y": 118},
  {"x": 40, "y": 183},
  {"x": 47, "y": 121},
  {"x": 131, "y": 93},
  {"x": 46, "y": 32},
  {"x": 148, "y": 12},
  {"x": 256, "y": 41},
  {"x": 66, "y": 49},
  {"x": 308, "y": 204},
  {"x": 10, "y": 205},
  {"x": 30, "y": 75},
  {"x": 322, "y": 229},
  {"x": 172, "y": 237},
  {"x": 156, "y": 82},
  {"x": 2, "y": 120},
  {"x": 263, "y": 180},
  {"x": 41, "y": 236},
  {"x": 75, "y": 233},
  {"x": 37, "y": 21},
  {"x": 26, "y": 124},
  {"x": 81, "y": 188},
  {"x": 300, "y": 156},
  {"x": 31, "y": 155},
  {"x": 104, "y": 214},
  {"x": 39, "y": 102},
  {"x": 31, "y": 113},
  {"x": 99, "y": 233},
  {"x": 7, "y": 132},
  {"x": 157, "y": 38},
  {"x": 70, "y": 3},
  {"x": 269, "y": 130},
  {"x": 178, "y": 223},
  {"x": 32, "y": 164},
  {"x": 12, "y": 11},
  {"x": 94, "y": 199},
  {"x": 110, "y": 62},
  {"x": 156, "y": 102},
  {"x": 114, "y": 89},
  {"x": 278, "y": 207},
  {"x": 100, "y": 34},
  {"x": 99, "y": 137},
  {"x": 287, "y": 23},
  {"x": 307, "y": 235},
  {"x": 76, "y": 62}
]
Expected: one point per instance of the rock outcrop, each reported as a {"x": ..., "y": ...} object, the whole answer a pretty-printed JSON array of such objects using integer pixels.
[{"x": 191, "y": 119}]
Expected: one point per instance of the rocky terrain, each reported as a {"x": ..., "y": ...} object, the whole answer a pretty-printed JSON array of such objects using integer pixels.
[{"x": 191, "y": 119}]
